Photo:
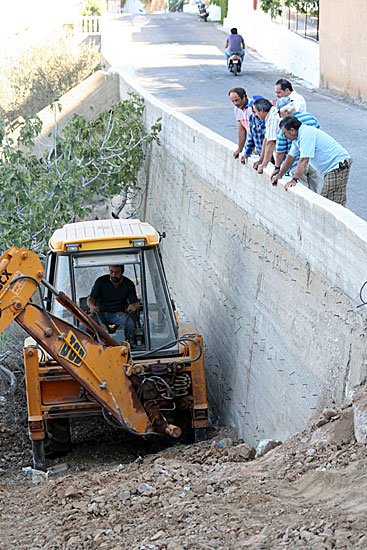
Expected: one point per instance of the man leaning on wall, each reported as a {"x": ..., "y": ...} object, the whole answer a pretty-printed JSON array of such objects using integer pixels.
[
  {"x": 242, "y": 112},
  {"x": 326, "y": 155},
  {"x": 310, "y": 178},
  {"x": 264, "y": 110}
]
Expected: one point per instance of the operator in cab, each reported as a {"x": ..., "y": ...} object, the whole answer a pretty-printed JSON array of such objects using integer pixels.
[{"x": 111, "y": 297}]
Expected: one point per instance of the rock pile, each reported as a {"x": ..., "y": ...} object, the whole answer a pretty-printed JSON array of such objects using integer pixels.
[{"x": 307, "y": 493}]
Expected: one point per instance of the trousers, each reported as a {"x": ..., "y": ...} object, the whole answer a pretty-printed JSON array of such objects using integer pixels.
[
  {"x": 118, "y": 318},
  {"x": 229, "y": 53}
]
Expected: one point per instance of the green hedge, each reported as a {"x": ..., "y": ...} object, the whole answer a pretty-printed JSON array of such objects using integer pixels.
[{"x": 224, "y": 7}]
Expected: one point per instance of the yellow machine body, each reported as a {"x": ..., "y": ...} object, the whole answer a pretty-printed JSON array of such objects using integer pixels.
[{"x": 70, "y": 372}]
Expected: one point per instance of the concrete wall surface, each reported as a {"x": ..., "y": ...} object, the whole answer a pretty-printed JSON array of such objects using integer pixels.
[
  {"x": 285, "y": 49},
  {"x": 343, "y": 47},
  {"x": 270, "y": 278},
  {"x": 99, "y": 91}
]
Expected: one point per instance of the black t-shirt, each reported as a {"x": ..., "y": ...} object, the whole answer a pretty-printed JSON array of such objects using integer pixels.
[{"x": 113, "y": 299}]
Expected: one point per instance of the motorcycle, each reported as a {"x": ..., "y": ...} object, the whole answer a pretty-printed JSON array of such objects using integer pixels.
[
  {"x": 234, "y": 63},
  {"x": 203, "y": 13}
]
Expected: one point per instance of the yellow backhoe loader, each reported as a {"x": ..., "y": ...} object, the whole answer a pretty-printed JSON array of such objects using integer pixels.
[{"x": 153, "y": 384}]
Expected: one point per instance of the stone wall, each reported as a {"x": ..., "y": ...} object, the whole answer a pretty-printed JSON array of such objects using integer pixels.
[{"x": 270, "y": 278}]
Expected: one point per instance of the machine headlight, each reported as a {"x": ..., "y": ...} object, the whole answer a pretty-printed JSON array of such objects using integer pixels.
[
  {"x": 138, "y": 242},
  {"x": 74, "y": 247}
]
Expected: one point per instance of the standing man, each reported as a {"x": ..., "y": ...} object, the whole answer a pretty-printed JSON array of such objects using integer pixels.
[
  {"x": 325, "y": 154},
  {"x": 311, "y": 177},
  {"x": 256, "y": 134},
  {"x": 242, "y": 112},
  {"x": 264, "y": 110},
  {"x": 234, "y": 43},
  {"x": 111, "y": 296},
  {"x": 283, "y": 88}
]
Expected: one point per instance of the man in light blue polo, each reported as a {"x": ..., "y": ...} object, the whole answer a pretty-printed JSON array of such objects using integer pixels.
[{"x": 325, "y": 154}]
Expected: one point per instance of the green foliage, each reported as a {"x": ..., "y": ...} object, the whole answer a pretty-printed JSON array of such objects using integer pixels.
[
  {"x": 304, "y": 6},
  {"x": 36, "y": 76},
  {"x": 93, "y": 7},
  {"x": 274, "y": 7},
  {"x": 224, "y": 7},
  {"x": 91, "y": 161}
]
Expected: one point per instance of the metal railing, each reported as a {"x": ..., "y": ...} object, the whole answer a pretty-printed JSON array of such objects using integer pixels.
[
  {"x": 305, "y": 24},
  {"x": 88, "y": 25}
]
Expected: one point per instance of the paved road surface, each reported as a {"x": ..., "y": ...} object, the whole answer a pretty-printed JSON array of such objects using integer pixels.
[{"x": 180, "y": 60}]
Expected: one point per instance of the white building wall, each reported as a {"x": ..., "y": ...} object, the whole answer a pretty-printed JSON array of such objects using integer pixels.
[{"x": 286, "y": 49}]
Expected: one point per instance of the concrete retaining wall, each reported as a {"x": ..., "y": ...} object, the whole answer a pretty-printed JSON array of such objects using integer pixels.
[
  {"x": 270, "y": 278},
  {"x": 286, "y": 49},
  {"x": 95, "y": 94}
]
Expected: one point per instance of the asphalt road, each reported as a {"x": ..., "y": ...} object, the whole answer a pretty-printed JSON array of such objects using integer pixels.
[{"x": 180, "y": 60}]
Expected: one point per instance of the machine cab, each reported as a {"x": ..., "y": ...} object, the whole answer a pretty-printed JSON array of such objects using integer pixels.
[{"x": 82, "y": 252}]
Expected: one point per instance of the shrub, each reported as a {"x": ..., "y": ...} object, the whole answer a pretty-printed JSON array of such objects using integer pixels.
[
  {"x": 91, "y": 161},
  {"x": 224, "y": 7},
  {"x": 39, "y": 75},
  {"x": 93, "y": 7}
]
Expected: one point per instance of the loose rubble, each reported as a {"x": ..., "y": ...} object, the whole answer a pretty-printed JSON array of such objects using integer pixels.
[{"x": 306, "y": 493}]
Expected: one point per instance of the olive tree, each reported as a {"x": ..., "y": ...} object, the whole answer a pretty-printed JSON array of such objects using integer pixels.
[{"x": 90, "y": 161}]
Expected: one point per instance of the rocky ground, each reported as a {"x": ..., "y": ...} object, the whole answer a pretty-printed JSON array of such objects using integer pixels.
[{"x": 121, "y": 493}]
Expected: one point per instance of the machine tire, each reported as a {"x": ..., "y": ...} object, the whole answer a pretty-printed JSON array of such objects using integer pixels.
[
  {"x": 235, "y": 69},
  {"x": 58, "y": 438},
  {"x": 200, "y": 434},
  {"x": 39, "y": 457}
]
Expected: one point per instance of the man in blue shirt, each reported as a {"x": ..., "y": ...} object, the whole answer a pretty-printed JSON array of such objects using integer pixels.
[
  {"x": 234, "y": 43},
  {"x": 255, "y": 135},
  {"x": 325, "y": 154},
  {"x": 287, "y": 107}
]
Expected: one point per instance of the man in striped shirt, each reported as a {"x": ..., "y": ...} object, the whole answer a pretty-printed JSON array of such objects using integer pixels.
[
  {"x": 310, "y": 178},
  {"x": 264, "y": 110},
  {"x": 256, "y": 134}
]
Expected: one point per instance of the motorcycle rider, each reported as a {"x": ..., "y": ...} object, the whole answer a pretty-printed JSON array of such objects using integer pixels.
[
  {"x": 203, "y": 13},
  {"x": 234, "y": 43}
]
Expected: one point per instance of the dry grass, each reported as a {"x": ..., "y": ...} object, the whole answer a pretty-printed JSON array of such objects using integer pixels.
[{"x": 36, "y": 77}]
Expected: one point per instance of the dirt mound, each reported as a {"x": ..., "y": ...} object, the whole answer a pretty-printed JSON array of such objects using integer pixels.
[{"x": 308, "y": 492}]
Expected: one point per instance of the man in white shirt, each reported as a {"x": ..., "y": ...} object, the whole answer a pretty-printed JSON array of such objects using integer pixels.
[
  {"x": 283, "y": 88},
  {"x": 264, "y": 110}
]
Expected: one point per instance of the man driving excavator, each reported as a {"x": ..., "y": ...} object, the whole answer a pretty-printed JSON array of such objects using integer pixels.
[{"x": 111, "y": 296}]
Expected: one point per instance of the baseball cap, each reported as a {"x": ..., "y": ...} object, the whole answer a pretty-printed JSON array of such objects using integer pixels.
[
  {"x": 282, "y": 102},
  {"x": 254, "y": 98}
]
